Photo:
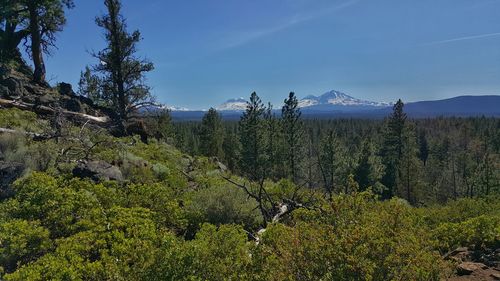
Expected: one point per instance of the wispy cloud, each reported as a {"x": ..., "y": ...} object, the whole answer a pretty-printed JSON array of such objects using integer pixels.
[
  {"x": 465, "y": 38},
  {"x": 247, "y": 36}
]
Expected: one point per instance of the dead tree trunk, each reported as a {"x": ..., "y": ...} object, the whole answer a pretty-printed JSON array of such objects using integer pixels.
[{"x": 45, "y": 110}]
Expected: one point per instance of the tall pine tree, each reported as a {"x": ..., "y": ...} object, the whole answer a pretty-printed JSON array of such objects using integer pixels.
[
  {"x": 392, "y": 150},
  {"x": 369, "y": 169},
  {"x": 274, "y": 145},
  {"x": 212, "y": 135},
  {"x": 253, "y": 140},
  {"x": 122, "y": 73},
  {"x": 293, "y": 136}
]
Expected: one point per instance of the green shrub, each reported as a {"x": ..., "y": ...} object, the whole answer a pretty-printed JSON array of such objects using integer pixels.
[
  {"x": 223, "y": 204},
  {"x": 480, "y": 232},
  {"x": 22, "y": 242}
]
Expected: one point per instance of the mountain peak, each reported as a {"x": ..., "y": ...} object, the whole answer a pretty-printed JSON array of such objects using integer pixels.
[
  {"x": 339, "y": 99},
  {"x": 236, "y": 104},
  {"x": 240, "y": 99}
]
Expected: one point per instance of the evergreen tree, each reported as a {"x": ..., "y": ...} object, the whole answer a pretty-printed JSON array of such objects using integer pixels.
[
  {"x": 392, "y": 150},
  {"x": 231, "y": 149},
  {"x": 274, "y": 144},
  {"x": 212, "y": 135},
  {"x": 293, "y": 135},
  {"x": 252, "y": 138},
  {"x": 159, "y": 124},
  {"x": 328, "y": 161},
  {"x": 36, "y": 20},
  {"x": 369, "y": 169},
  {"x": 122, "y": 73},
  {"x": 13, "y": 21},
  {"x": 423, "y": 152},
  {"x": 409, "y": 173},
  {"x": 89, "y": 86}
]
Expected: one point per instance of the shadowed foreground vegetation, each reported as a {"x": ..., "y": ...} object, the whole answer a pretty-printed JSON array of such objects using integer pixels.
[{"x": 177, "y": 217}]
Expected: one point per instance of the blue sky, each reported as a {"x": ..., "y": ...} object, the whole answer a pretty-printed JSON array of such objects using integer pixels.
[{"x": 207, "y": 51}]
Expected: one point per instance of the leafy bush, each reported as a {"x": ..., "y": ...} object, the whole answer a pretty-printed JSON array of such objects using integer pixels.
[
  {"x": 21, "y": 242},
  {"x": 480, "y": 232},
  {"x": 355, "y": 238},
  {"x": 223, "y": 204}
]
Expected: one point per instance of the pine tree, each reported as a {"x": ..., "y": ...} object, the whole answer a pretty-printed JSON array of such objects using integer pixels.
[
  {"x": 252, "y": 138},
  {"x": 212, "y": 135},
  {"x": 274, "y": 144},
  {"x": 293, "y": 135},
  {"x": 329, "y": 161},
  {"x": 36, "y": 20},
  {"x": 409, "y": 172},
  {"x": 423, "y": 152},
  {"x": 122, "y": 73},
  {"x": 13, "y": 22},
  {"x": 392, "y": 150},
  {"x": 159, "y": 124},
  {"x": 231, "y": 149},
  {"x": 89, "y": 86},
  {"x": 369, "y": 170}
]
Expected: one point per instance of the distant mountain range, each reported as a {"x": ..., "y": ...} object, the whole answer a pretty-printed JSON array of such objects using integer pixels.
[
  {"x": 335, "y": 100},
  {"x": 337, "y": 104},
  {"x": 457, "y": 106},
  {"x": 330, "y": 101},
  {"x": 239, "y": 104}
]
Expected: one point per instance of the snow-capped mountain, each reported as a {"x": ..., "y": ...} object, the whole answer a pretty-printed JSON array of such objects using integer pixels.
[
  {"x": 338, "y": 99},
  {"x": 239, "y": 104},
  {"x": 164, "y": 107},
  {"x": 177, "y": 108}
]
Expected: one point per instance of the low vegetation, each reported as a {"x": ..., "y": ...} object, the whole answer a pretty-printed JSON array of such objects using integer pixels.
[
  {"x": 92, "y": 187},
  {"x": 175, "y": 217}
]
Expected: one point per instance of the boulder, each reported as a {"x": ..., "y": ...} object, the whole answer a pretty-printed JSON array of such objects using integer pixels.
[
  {"x": 66, "y": 89},
  {"x": 73, "y": 105},
  {"x": 460, "y": 254},
  {"x": 46, "y": 100},
  {"x": 467, "y": 268},
  {"x": 97, "y": 171},
  {"x": 9, "y": 172},
  {"x": 4, "y": 91},
  {"x": 15, "y": 86}
]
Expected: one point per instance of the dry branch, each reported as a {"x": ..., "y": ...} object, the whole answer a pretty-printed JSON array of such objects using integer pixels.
[
  {"x": 42, "y": 109},
  {"x": 34, "y": 136}
]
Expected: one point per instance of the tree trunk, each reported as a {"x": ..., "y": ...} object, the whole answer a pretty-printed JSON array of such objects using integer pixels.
[
  {"x": 9, "y": 40},
  {"x": 45, "y": 110},
  {"x": 36, "y": 45}
]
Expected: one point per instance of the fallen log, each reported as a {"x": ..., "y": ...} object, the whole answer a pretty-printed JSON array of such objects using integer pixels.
[
  {"x": 34, "y": 136},
  {"x": 42, "y": 109}
]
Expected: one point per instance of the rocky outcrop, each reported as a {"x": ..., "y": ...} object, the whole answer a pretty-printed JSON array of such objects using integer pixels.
[
  {"x": 467, "y": 268},
  {"x": 18, "y": 87},
  {"x": 483, "y": 264},
  {"x": 97, "y": 171}
]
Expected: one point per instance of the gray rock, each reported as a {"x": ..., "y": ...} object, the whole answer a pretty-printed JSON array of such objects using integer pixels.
[
  {"x": 66, "y": 89},
  {"x": 16, "y": 87},
  {"x": 9, "y": 172},
  {"x": 72, "y": 105},
  {"x": 97, "y": 171},
  {"x": 467, "y": 268},
  {"x": 4, "y": 91},
  {"x": 46, "y": 99}
]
